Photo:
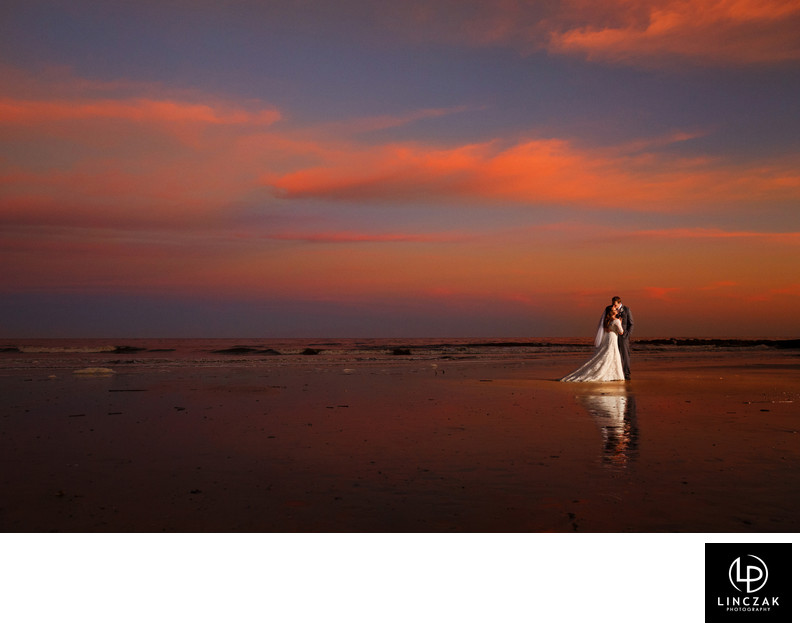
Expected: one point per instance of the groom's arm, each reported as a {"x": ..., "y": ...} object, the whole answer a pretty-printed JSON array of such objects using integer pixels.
[{"x": 629, "y": 328}]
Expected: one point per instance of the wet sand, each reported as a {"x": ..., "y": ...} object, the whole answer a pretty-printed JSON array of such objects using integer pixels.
[{"x": 404, "y": 446}]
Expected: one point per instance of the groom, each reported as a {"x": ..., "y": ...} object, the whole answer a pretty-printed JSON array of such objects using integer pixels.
[{"x": 624, "y": 341}]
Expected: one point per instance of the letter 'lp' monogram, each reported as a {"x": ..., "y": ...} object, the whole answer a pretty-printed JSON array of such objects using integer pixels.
[{"x": 755, "y": 576}]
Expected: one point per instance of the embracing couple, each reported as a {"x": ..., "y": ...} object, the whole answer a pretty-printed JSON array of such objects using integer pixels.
[{"x": 612, "y": 359}]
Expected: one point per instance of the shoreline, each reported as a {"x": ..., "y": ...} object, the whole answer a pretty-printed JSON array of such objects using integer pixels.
[{"x": 320, "y": 345}]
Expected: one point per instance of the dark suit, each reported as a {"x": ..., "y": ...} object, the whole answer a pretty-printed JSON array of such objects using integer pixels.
[{"x": 626, "y": 318}]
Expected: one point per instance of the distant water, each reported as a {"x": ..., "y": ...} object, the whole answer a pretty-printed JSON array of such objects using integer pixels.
[{"x": 20, "y": 354}]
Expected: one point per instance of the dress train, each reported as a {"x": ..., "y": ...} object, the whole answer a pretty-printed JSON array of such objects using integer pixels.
[{"x": 606, "y": 363}]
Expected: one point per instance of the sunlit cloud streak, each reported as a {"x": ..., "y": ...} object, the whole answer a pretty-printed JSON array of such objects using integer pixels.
[
  {"x": 631, "y": 32},
  {"x": 23, "y": 112},
  {"x": 360, "y": 237},
  {"x": 654, "y": 32},
  {"x": 715, "y": 234},
  {"x": 540, "y": 171}
]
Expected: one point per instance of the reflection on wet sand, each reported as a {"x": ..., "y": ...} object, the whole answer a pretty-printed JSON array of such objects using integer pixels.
[{"x": 614, "y": 411}]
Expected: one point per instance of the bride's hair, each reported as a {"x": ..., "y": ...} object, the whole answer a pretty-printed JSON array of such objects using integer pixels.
[{"x": 611, "y": 315}]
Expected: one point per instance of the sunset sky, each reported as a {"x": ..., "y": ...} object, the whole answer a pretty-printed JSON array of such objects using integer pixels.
[{"x": 364, "y": 168}]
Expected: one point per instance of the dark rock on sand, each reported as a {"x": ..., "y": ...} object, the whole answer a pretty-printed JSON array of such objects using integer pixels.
[
  {"x": 246, "y": 350},
  {"x": 127, "y": 349}
]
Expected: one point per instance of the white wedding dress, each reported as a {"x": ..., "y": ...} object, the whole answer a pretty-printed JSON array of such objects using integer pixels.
[{"x": 606, "y": 363}]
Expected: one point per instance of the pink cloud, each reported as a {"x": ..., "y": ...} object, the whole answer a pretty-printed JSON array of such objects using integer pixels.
[
  {"x": 660, "y": 293},
  {"x": 359, "y": 237},
  {"x": 631, "y": 32},
  {"x": 645, "y": 32},
  {"x": 789, "y": 290},
  {"x": 132, "y": 160},
  {"x": 715, "y": 233},
  {"x": 547, "y": 171},
  {"x": 22, "y": 112}
]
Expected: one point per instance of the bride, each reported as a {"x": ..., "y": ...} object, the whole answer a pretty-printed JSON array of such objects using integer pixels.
[{"x": 606, "y": 364}]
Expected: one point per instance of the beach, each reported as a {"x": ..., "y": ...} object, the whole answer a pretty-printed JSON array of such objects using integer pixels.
[{"x": 701, "y": 439}]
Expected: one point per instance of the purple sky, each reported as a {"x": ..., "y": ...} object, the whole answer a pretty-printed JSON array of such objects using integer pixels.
[{"x": 274, "y": 169}]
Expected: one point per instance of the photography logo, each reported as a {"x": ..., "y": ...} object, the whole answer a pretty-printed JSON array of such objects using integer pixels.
[{"x": 748, "y": 582}]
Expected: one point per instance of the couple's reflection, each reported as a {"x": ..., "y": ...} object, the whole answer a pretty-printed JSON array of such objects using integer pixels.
[{"x": 614, "y": 410}]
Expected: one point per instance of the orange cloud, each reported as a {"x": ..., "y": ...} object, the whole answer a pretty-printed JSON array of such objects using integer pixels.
[
  {"x": 660, "y": 293},
  {"x": 789, "y": 290},
  {"x": 714, "y": 233},
  {"x": 67, "y": 211},
  {"x": 360, "y": 237},
  {"x": 723, "y": 32},
  {"x": 634, "y": 32},
  {"x": 127, "y": 161},
  {"x": 542, "y": 171},
  {"x": 20, "y": 112}
]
